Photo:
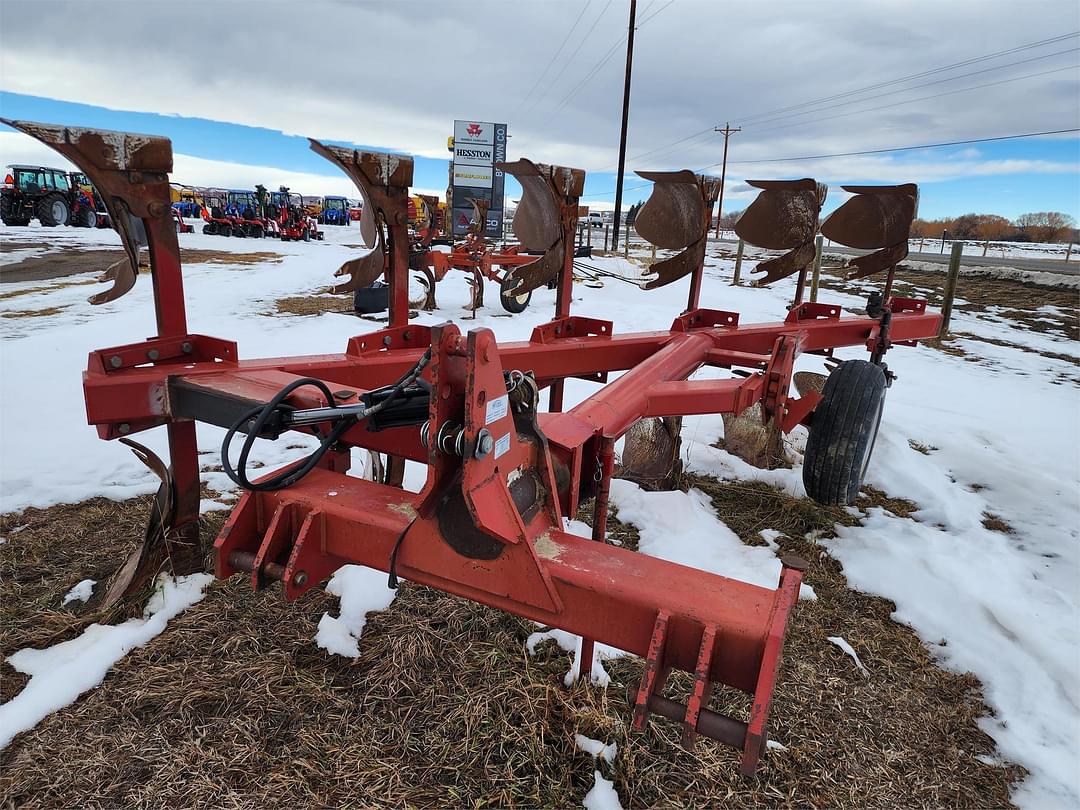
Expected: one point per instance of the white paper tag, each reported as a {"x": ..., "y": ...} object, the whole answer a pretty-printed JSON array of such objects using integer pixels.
[
  {"x": 496, "y": 409},
  {"x": 502, "y": 444}
]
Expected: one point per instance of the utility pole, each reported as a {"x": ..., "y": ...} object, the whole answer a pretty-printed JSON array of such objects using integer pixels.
[
  {"x": 727, "y": 130},
  {"x": 625, "y": 117}
]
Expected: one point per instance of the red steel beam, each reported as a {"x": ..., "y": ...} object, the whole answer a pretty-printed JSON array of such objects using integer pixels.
[{"x": 607, "y": 593}]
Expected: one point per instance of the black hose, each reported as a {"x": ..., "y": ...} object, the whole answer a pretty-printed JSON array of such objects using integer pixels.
[{"x": 259, "y": 417}]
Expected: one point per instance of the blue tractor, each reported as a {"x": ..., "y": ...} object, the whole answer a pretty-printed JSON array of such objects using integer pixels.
[{"x": 335, "y": 211}]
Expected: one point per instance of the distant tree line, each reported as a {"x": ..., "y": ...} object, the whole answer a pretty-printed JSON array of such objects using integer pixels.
[{"x": 1042, "y": 226}]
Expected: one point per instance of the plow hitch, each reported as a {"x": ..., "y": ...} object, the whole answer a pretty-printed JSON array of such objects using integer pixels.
[{"x": 502, "y": 474}]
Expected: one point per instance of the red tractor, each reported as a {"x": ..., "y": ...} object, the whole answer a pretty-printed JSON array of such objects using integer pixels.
[
  {"x": 53, "y": 196},
  {"x": 294, "y": 223}
]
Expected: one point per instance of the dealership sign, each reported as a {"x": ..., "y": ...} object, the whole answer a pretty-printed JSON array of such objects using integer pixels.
[{"x": 477, "y": 147}]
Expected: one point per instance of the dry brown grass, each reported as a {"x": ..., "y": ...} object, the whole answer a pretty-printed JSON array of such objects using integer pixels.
[
  {"x": 32, "y": 313},
  {"x": 313, "y": 305},
  {"x": 234, "y": 705}
]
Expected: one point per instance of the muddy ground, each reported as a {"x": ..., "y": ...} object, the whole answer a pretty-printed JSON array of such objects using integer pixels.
[{"x": 70, "y": 261}]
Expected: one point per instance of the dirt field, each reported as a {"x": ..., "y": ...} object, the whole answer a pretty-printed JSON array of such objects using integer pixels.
[{"x": 73, "y": 261}]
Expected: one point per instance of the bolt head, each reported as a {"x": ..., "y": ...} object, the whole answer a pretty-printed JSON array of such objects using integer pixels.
[
  {"x": 124, "y": 428},
  {"x": 153, "y": 354},
  {"x": 186, "y": 347},
  {"x": 115, "y": 361},
  {"x": 300, "y": 579},
  {"x": 484, "y": 443}
]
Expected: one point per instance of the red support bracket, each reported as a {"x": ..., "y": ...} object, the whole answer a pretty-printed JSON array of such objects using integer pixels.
[
  {"x": 808, "y": 311},
  {"x": 655, "y": 675},
  {"x": 162, "y": 350},
  {"x": 704, "y": 319},
  {"x": 573, "y": 326},
  {"x": 787, "y": 594},
  {"x": 702, "y": 686},
  {"x": 797, "y": 410},
  {"x": 413, "y": 336},
  {"x": 897, "y": 305}
]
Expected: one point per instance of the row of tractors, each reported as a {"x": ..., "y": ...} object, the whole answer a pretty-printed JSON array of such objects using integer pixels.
[{"x": 52, "y": 196}]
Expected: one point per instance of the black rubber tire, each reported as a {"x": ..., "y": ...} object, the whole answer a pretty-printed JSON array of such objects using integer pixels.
[
  {"x": 87, "y": 217},
  {"x": 843, "y": 432},
  {"x": 511, "y": 303},
  {"x": 8, "y": 215},
  {"x": 53, "y": 210},
  {"x": 307, "y": 235},
  {"x": 210, "y": 228}
]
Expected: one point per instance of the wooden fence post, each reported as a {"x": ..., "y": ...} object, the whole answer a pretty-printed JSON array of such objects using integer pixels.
[
  {"x": 626, "y": 241},
  {"x": 950, "y": 287},
  {"x": 738, "y": 263},
  {"x": 816, "y": 272}
]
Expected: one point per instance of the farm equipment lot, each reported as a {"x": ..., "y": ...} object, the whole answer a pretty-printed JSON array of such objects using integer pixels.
[{"x": 236, "y": 703}]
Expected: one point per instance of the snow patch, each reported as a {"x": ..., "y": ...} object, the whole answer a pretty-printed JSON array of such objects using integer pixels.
[
  {"x": 596, "y": 748},
  {"x": 61, "y": 673},
  {"x": 850, "y": 651},
  {"x": 362, "y": 590},
  {"x": 602, "y": 796},
  {"x": 81, "y": 592},
  {"x": 682, "y": 527}
]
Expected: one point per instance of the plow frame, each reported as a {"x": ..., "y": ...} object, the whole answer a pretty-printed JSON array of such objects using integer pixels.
[{"x": 501, "y": 474}]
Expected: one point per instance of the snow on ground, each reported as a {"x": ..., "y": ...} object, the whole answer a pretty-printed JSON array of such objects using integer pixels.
[
  {"x": 61, "y": 673},
  {"x": 602, "y": 795},
  {"x": 362, "y": 590},
  {"x": 1000, "y": 428},
  {"x": 81, "y": 592}
]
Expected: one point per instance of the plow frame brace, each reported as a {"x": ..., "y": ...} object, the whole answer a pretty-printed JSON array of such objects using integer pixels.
[{"x": 488, "y": 524}]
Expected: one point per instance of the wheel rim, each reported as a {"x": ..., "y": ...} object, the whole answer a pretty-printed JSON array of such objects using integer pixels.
[{"x": 58, "y": 211}]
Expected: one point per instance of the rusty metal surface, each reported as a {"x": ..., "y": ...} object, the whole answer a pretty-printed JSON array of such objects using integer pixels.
[
  {"x": 383, "y": 180},
  {"x": 676, "y": 217},
  {"x": 651, "y": 453},
  {"x": 671, "y": 217},
  {"x": 784, "y": 216},
  {"x": 144, "y": 563},
  {"x": 876, "y": 218},
  {"x": 131, "y": 173},
  {"x": 544, "y": 219}
]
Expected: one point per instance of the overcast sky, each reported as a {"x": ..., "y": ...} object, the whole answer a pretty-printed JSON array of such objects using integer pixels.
[{"x": 396, "y": 75}]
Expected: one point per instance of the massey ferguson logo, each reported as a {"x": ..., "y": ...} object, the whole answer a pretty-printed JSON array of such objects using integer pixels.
[{"x": 474, "y": 129}]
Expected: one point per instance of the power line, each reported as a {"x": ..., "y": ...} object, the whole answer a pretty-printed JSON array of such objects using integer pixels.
[
  {"x": 606, "y": 58},
  {"x": 901, "y": 148},
  {"x": 566, "y": 64},
  {"x": 665, "y": 148},
  {"x": 922, "y": 74},
  {"x": 921, "y": 98},
  {"x": 551, "y": 62},
  {"x": 867, "y": 152},
  {"x": 915, "y": 87},
  {"x": 655, "y": 13}
]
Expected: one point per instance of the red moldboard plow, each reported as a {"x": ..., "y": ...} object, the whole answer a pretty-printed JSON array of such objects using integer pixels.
[{"x": 501, "y": 474}]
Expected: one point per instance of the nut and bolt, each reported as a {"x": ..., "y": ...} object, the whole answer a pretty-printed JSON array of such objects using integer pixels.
[
  {"x": 124, "y": 428},
  {"x": 115, "y": 361},
  {"x": 153, "y": 354},
  {"x": 186, "y": 347},
  {"x": 484, "y": 443},
  {"x": 299, "y": 579}
]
